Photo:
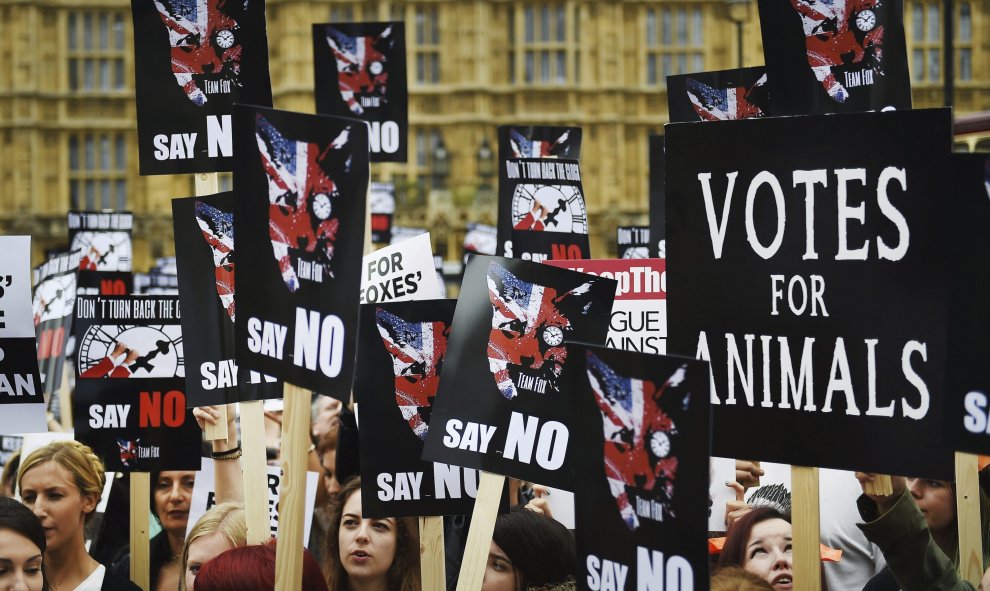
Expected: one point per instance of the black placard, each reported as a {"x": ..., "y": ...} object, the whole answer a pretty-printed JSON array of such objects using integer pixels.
[
  {"x": 411, "y": 338},
  {"x": 641, "y": 489},
  {"x": 812, "y": 275},
  {"x": 542, "y": 211},
  {"x": 504, "y": 403},
  {"x": 106, "y": 283},
  {"x": 967, "y": 409},
  {"x": 835, "y": 57},
  {"x": 658, "y": 224},
  {"x": 204, "y": 253},
  {"x": 361, "y": 74},
  {"x": 301, "y": 183},
  {"x": 103, "y": 239},
  {"x": 53, "y": 302},
  {"x": 194, "y": 60},
  {"x": 633, "y": 242},
  {"x": 129, "y": 404},
  {"x": 718, "y": 96},
  {"x": 382, "y": 211}
]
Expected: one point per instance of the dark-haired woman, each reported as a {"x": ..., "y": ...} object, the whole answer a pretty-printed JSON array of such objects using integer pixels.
[
  {"x": 760, "y": 542},
  {"x": 529, "y": 550},
  {"x": 370, "y": 554},
  {"x": 22, "y": 548}
]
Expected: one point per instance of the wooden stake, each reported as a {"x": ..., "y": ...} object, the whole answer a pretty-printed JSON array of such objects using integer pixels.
[
  {"x": 804, "y": 518},
  {"x": 255, "y": 463},
  {"x": 292, "y": 491},
  {"x": 431, "y": 558},
  {"x": 479, "y": 539},
  {"x": 968, "y": 513},
  {"x": 881, "y": 485},
  {"x": 65, "y": 397},
  {"x": 140, "y": 563}
]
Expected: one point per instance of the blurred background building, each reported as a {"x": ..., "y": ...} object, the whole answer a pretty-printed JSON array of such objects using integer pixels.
[{"x": 67, "y": 112}]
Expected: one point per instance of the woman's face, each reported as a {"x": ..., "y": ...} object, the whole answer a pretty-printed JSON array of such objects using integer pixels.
[
  {"x": 935, "y": 500},
  {"x": 367, "y": 546},
  {"x": 20, "y": 563},
  {"x": 500, "y": 574},
  {"x": 50, "y": 491},
  {"x": 202, "y": 550},
  {"x": 173, "y": 492},
  {"x": 768, "y": 553}
]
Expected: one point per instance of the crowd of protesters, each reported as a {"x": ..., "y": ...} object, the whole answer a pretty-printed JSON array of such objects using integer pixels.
[{"x": 906, "y": 540}]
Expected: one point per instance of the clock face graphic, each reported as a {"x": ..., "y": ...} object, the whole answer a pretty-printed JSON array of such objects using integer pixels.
[
  {"x": 225, "y": 38},
  {"x": 120, "y": 350},
  {"x": 54, "y": 297},
  {"x": 866, "y": 20},
  {"x": 660, "y": 444},
  {"x": 321, "y": 206},
  {"x": 553, "y": 336},
  {"x": 549, "y": 208},
  {"x": 103, "y": 251}
]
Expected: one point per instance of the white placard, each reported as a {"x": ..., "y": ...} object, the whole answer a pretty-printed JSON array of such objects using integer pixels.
[
  {"x": 205, "y": 489},
  {"x": 400, "y": 273}
]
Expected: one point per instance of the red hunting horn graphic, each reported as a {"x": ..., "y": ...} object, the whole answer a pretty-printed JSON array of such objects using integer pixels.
[{"x": 417, "y": 350}]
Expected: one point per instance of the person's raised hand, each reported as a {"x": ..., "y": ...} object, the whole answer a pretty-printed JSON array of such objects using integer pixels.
[
  {"x": 540, "y": 504},
  {"x": 208, "y": 415},
  {"x": 884, "y": 503},
  {"x": 737, "y": 508},
  {"x": 748, "y": 473}
]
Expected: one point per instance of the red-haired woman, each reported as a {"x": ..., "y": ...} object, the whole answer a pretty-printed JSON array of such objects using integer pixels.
[
  {"x": 760, "y": 543},
  {"x": 252, "y": 568}
]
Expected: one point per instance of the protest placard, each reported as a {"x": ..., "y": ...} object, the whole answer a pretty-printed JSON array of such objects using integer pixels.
[
  {"x": 632, "y": 242},
  {"x": 505, "y": 406},
  {"x": 836, "y": 57},
  {"x": 129, "y": 404},
  {"x": 639, "y": 313},
  {"x": 382, "y": 197},
  {"x": 302, "y": 186},
  {"x": 361, "y": 74},
  {"x": 21, "y": 391},
  {"x": 400, "y": 272},
  {"x": 967, "y": 403},
  {"x": 411, "y": 338},
  {"x": 796, "y": 274},
  {"x": 204, "y": 496},
  {"x": 102, "y": 239},
  {"x": 642, "y": 481},
  {"x": 105, "y": 283},
  {"x": 204, "y": 249},
  {"x": 192, "y": 62},
  {"x": 53, "y": 302},
  {"x": 718, "y": 96},
  {"x": 657, "y": 198}
]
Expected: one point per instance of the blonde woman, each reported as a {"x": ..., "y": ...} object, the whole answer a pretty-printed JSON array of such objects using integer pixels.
[
  {"x": 62, "y": 483},
  {"x": 221, "y": 528}
]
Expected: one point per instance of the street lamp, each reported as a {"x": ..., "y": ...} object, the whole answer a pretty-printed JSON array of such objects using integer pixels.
[
  {"x": 739, "y": 14},
  {"x": 486, "y": 160},
  {"x": 441, "y": 163}
]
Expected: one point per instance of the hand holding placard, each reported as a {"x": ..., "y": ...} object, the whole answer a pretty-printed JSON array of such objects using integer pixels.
[{"x": 873, "y": 487}]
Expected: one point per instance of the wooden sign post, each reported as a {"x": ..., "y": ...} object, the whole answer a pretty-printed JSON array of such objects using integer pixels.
[
  {"x": 255, "y": 475},
  {"x": 292, "y": 492},
  {"x": 431, "y": 558},
  {"x": 968, "y": 518},
  {"x": 805, "y": 521},
  {"x": 479, "y": 539},
  {"x": 140, "y": 524}
]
